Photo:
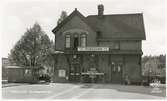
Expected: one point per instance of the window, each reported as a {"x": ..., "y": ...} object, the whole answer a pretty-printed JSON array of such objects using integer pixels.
[
  {"x": 116, "y": 67},
  {"x": 68, "y": 41},
  {"x": 83, "y": 40}
]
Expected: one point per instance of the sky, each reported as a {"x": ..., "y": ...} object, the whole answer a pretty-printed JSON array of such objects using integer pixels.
[{"x": 18, "y": 15}]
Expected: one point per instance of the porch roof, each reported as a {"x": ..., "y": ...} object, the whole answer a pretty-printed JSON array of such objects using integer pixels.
[{"x": 132, "y": 52}]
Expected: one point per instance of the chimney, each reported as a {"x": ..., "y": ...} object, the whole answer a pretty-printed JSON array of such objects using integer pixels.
[{"x": 100, "y": 10}]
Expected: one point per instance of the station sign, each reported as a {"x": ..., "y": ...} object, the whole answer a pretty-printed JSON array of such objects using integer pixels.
[{"x": 93, "y": 48}]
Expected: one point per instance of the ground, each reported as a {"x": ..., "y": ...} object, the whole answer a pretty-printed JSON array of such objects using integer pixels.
[{"x": 80, "y": 91}]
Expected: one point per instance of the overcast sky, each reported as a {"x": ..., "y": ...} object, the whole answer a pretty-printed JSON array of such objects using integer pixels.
[{"x": 17, "y": 16}]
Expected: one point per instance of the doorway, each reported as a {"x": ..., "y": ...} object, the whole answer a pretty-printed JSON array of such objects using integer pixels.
[
  {"x": 76, "y": 41},
  {"x": 75, "y": 73},
  {"x": 116, "y": 72}
]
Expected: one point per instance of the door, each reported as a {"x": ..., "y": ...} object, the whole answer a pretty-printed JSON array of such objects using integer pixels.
[
  {"x": 75, "y": 73},
  {"x": 76, "y": 41},
  {"x": 116, "y": 72}
]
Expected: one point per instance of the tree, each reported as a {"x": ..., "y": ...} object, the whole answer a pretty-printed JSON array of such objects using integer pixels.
[
  {"x": 155, "y": 64},
  {"x": 33, "y": 49},
  {"x": 62, "y": 17}
]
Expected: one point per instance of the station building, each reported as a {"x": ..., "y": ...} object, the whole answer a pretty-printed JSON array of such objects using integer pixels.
[{"x": 99, "y": 48}]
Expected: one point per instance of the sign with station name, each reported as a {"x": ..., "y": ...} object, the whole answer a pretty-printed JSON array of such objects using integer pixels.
[{"x": 93, "y": 48}]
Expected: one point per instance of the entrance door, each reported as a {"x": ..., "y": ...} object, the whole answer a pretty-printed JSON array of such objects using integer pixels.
[
  {"x": 116, "y": 73},
  {"x": 75, "y": 73},
  {"x": 76, "y": 41}
]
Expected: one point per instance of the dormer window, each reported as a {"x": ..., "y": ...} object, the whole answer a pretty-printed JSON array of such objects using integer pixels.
[
  {"x": 83, "y": 40},
  {"x": 68, "y": 40}
]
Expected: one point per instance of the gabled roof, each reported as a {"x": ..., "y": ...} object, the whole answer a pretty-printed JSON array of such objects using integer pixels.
[
  {"x": 117, "y": 26},
  {"x": 121, "y": 26},
  {"x": 74, "y": 13}
]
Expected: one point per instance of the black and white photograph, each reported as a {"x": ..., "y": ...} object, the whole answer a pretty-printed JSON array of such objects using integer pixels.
[{"x": 83, "y": 49}]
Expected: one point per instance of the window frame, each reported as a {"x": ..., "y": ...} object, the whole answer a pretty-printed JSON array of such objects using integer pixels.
[
  {"x": 117, "y": 67},
  {"x": 69, "y": 36},
  {"x": 81, "y": 36}
]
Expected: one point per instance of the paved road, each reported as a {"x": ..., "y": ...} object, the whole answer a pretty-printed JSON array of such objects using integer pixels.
[{"x": 79, "y": 91}]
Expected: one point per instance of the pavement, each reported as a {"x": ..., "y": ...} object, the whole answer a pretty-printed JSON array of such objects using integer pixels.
[
  {"x": 81, "y": 91},
  {"x": 13, "y": 84}
]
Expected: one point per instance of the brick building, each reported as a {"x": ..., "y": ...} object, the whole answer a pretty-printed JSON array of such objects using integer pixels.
[{"x": 99, "y": 48}]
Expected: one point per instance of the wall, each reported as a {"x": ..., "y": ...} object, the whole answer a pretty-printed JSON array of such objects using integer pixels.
[
  {"x": 61, "y": 64},
  {"x": 130, "y": 66},
  {"x": 133, "y": 67},
  {"x": 130, "y": 45},
  {"x": 104, "y": 67},
  {"x": 110, "y": 44},
  {"x": 74, "y": 23},
  {"x": 122, "y": 45}
]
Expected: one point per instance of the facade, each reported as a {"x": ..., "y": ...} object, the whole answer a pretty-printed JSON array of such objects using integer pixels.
[{"x": 99, "y": 48}]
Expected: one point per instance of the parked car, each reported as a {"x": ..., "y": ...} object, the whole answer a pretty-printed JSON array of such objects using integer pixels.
[{"x": 45, "y": 78}]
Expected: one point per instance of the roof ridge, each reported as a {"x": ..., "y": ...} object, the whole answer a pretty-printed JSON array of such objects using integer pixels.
[
  {"x": 67, "y": 19},
  {"x": 83, "y": 18},
  {"x": 118, "y": 14}
]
